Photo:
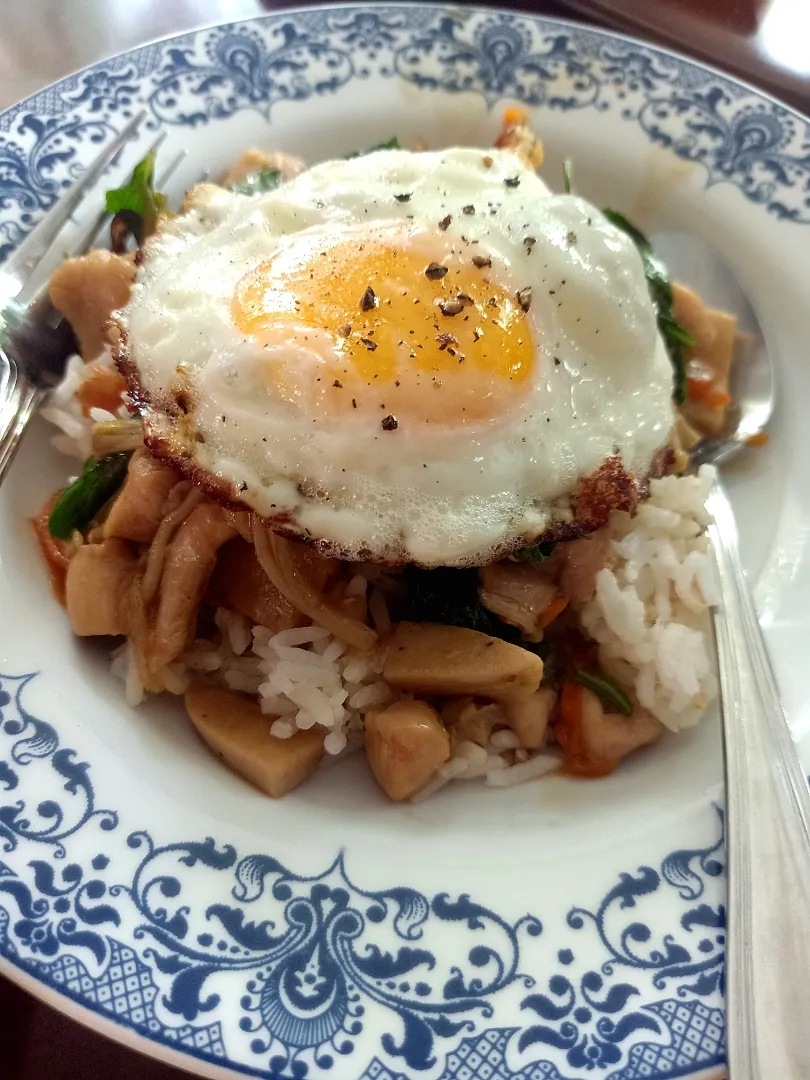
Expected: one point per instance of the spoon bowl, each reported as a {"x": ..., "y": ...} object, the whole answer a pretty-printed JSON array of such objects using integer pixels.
[{"x": 753, "y": 384}]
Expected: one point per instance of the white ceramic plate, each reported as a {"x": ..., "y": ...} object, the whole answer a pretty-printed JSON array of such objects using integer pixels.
[{"x": 559, "y": 930}]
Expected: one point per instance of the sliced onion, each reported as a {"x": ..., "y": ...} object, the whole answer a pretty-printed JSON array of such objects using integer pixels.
[
  {"x": 275, "y": 558},
  {"x": 166, "y": 530}
]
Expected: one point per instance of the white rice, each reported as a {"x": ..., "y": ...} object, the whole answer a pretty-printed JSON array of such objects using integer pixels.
[
  {"x": 302, "y": 677},
  {"x": 650, "y": 613}
]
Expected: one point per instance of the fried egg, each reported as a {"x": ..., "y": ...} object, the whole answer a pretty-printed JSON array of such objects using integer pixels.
[{"x": 404, "y": 356}]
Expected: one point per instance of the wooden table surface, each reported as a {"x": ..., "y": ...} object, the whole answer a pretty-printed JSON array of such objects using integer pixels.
[{"x": 766, "y": 42}]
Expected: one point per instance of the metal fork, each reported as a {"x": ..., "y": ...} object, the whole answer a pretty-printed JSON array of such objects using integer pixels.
[{"x": 35, "y": 341}]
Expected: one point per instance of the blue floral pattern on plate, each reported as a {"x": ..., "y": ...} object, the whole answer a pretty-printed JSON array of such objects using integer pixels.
[
  {"x": 739, "y": 137},
  {"x": 295, "y": 976},
  {"x": 316, "y": 962}
]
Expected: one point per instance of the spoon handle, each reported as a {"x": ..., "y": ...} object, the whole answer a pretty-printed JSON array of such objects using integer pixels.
[{"x": 767, "y": 838}]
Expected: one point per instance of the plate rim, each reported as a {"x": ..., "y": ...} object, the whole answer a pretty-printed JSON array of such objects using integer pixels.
[{"x": 90, "y": 1018}]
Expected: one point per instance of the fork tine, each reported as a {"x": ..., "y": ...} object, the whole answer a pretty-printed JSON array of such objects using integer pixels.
[
  {"x": 25, "y": 259},
  {"x": 86, "y": 241},
  {"x": 24, "y": 401},
  {"x": 172, "y": 168}
]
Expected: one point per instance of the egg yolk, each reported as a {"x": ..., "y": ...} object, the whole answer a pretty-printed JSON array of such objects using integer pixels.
[{"x": 424, "y": 339}]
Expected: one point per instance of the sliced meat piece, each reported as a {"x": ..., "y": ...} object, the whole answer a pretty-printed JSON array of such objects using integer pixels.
[
  {"x": 683, "y": 438},
  {"x": 210, "y": 199},
  {"x": 189, "y": 563},
  {"x": 139, "y": 508},
  {"x": 707, "y": 401},
  {"x": 239, "y": 520},
  {"x": 316, "y": 569},
  {"x": 432, "y": 659},
  {"x": 581, "y": 562},
  {"x": 87, "y": 290},
  {"x": 238, "y": 582},
  {"x": 468, "y": 720},
  {"x": 405, "y": 745},
  {"x": 238, "y": 731},
  {"x": 690, "y": 311},
  {"x": 97, "y": 586},
  {"x": 255, "y": 161},
  {"x": 520, "y": 594},
  {"x": 595, "y": 741},
  {"x": 708, "y": 362},
  {"x": 528, "y": 716}
]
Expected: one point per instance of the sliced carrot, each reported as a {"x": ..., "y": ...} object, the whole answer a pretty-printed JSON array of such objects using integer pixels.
[
  {"x": 568, "y": 733},
  {"x": 555, "y": 608},
  {"x": 101, "y": 388},
  {"x": 704, "y": 391},
  {"x": 514, "y": 117},
  {"x": 760, "y": 439},
  {"x": 54, "y": 552}
]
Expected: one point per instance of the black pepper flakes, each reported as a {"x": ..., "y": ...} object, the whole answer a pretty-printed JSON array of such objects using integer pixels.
[
  {"x": 481, "y": 261},
  {"x": 571, "y": 238},
  {"x": 434, "y": 271},
  {"x": 444, "y": 224},
  {"x": 528, "y": 243},
  {"x": 445, "y": 340},
  {"x": 557, "y": 361},
  {"x": 512, "y": 181},
  {"x": 524, "y": 297},
  {"x": 369, "y": 344},
  {"x": 338, "y": 384},
  {"x": 404, "y": 197},
  {"x": 354, "y": 403},
  {"x": 469, "y": 209},
  {"x": 453, "y": 305},
  {"x": 368, "y": 301},
  {"x": 389, "y": 423}
]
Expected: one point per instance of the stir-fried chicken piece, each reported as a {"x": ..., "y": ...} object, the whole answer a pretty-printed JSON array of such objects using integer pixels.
[
  {"x": 87, "y": 290},
  {"x": 139, "y": 508},
  {"x": 189, "y": 563}
]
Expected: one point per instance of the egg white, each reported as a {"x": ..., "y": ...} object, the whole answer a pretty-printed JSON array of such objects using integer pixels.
[{"x": 437, "y": 494}]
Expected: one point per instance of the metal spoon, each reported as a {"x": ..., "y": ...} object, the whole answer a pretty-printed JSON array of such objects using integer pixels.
[{"x": 767, "y": 825}]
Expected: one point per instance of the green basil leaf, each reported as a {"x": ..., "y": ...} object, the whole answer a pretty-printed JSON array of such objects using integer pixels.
[
  {"x": 138, "y": 196},
  {"x": 609, "y": 692},
  {"x": 78, "y": 504},
  {"x": 568, "y": 176},
  {"x": 537, "y": 553},
  {"x": 676, "y": 338},
  {"x": 257, "y": 183},
  {"x": 392, "y": 144}
]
